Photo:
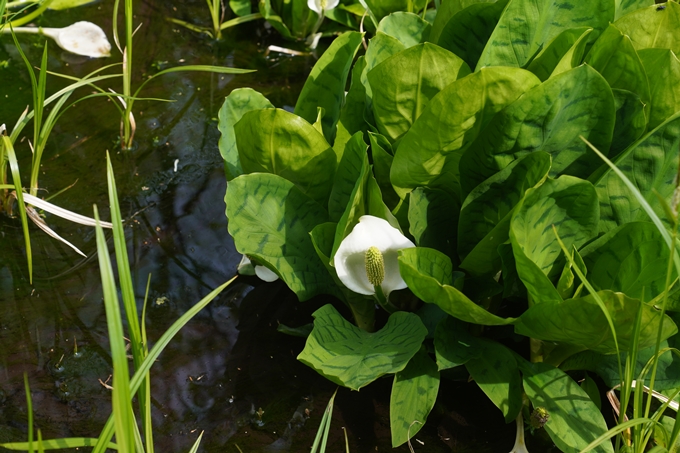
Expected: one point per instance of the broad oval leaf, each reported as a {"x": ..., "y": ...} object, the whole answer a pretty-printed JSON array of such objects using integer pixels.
[
  {"x": 614, "y": 56},
  {"x": 238, "y": 102},
  {"x": 453, "y": 345},
  {"x": 495, "y": 371},
  {"x": 653, "y": 27},
  {"x": 631, "y": 121},
  {"x": 663, "y": 71},
  {"x": 631, "y": 259},
  {"x": 582, "y": 322},
  {"x": 270, "y": 220},
  {"x": 574, "y": 420},
  {"x": 624, "y": 7},
  {"x": 403, "y": 85},
  {"x": 651, "y": 164},
  {"x": 526, "y": 26},
  {"x": 446, "y": 10},
  {"x": 410, "y": 29},
  {"x": 425, "y": 272},
  {"x": 494, "y": 199},
  {"x": 451, "y": 121},
  {"x": 325, "y": 86},
  {"x": 354, "y": 358},
  {"x": 552, "y": 118},
  {"x": 432, "y": 214},
  {"x": 466, "y": 32},
  {"x": 564, "y": 52},
  {"x": 380, "y": 48},
  {"x": 414, "y": 393},
  {"x": 570, "y": 205},
  {"x": 279, "y": 142}
]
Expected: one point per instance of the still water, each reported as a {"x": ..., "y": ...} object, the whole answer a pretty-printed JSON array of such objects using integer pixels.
[{"x": 228, "y": 372}]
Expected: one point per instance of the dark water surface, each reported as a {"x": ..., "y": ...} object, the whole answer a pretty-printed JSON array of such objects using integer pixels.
[{"x": 229, "y": 362}]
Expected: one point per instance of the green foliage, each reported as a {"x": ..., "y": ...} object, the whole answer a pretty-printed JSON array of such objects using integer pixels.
[
  {"x": 500, "y": 177},
  {"x": 354, "y": 358}
]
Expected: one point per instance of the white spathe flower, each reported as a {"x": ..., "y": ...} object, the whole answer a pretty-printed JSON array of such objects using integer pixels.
[
  {"x": 371, "y": 248},
  {"x": 322, "y": 5},
  {"x": 81, "y": 38},
  {"x": 246, "y": 267}
]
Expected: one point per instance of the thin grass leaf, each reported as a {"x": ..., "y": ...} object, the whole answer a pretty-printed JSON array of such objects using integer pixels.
[
  {"x": 59, "y": 444},
  {"x": 61, "y": 212},
  {"x": 614, "y": 431},
  {"x": 194, "y": 448},
  {"x": 148, "y": 426},
  {"x": 16, "y": 177},
  {"x": 137, "y": 379},
  {"x": 122, "y": 406},
  {"x": 240, "y": 20},
  {"x": 322, "y": 433},
  {"x": 29, "y": 409},
  {"x": 40, "y": 223}
]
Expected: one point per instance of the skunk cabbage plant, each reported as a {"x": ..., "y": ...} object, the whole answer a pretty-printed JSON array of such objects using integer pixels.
[{"x": 472, "y": 138}]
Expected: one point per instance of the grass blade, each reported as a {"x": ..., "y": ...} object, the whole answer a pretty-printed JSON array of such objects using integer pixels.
[
  {"x": 122, "y": 406},
  {"x": 59, "y": 444},
  {"x": 16, "y": 177}
]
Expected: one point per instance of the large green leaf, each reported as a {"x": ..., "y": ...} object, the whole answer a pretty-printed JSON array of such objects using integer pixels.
[
  {"x": 352, "y": 113},
  {"x": 426, "y": 272},
  {"x": 581, "y": 322},
  {"x": 491, "y": 202},
  {"x": 354, "y": 358},
  {"x": 238, "y": 102},
  {"x": 279, "y": 142},
  {"x": 270, "y": 220},
  {"x": 495, "y": 371},
  {"x": 526, "y": 26},
  {"x": 382, "y": 154},
  {"x": 432, "y": 216},
  {"x": 414, "y": 393},
  {"x": 429, "y": 152},
  {"x": 446, "y": 10},
  {"x": 614, "y": 56},
  {"x": 631, "y": 259},
  {"x": 651, "y": 164},
  {"x": 349, "y": 171},
  {"x": 453, "y": 345},
  {"x": 654, "y": 26},
  {"x": 466, "y": 32},
  {"x": 574, "y": 419},
  {"x": 400, "y": 96},
  {"x": 365, "y": 199},
  {"x": 552, "y": 118},
  {"x": 607, "y": 365},
  {"x": 380, "y": 48},
  {"x": 325, "y": 86},
  {"x": 564, "y": 52},
  {"x": 631, "y": 121},
  {"x": 570, "y": 205},
  {"x": 624, "y": 7},
  {"x": 410, "y": 29},
  {"x": 663, "y": 71}
]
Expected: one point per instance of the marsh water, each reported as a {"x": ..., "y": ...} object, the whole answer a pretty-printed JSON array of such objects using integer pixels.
[{"x": 228, "y": 372}]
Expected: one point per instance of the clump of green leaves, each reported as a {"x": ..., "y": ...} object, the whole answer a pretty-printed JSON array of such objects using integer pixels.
[{"x": 475, "y": 135}]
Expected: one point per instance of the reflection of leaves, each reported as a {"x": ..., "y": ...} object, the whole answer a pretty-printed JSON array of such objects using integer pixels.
[
  {"x": 574, "y": 419},
  {"x": 354, "y": 358}
]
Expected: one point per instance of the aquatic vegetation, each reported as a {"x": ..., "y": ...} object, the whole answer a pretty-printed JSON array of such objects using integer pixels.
[
  {"x": 240, "y": 8},
  {"x": 476, "y": 138}
]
